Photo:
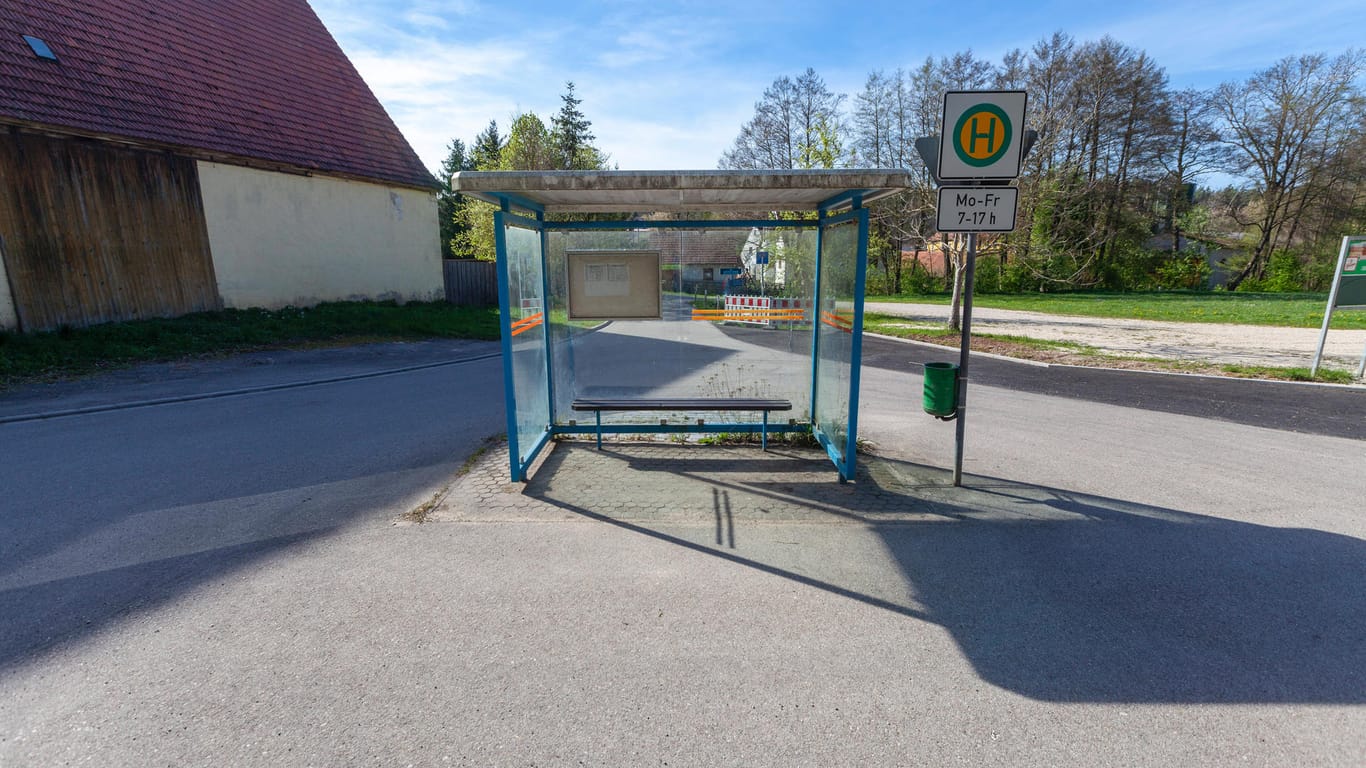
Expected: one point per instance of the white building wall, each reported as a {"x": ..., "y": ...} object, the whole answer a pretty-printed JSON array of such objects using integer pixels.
[
  {"x": 9, "y": 316},
  {"x": 279, "y": 239}
]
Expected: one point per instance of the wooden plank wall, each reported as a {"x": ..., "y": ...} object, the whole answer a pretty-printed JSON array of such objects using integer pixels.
[
  {"x": 94, "y": 232},
  {"x": 472, "y": 282}
]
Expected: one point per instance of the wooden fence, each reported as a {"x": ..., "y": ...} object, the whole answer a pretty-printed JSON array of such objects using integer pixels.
[{"x": 471, "y": 282}]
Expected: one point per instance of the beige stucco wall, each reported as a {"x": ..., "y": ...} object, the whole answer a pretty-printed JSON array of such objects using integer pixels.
[
  {"x": 279, "y": 239},
  {"x": 9, "y": 317}
]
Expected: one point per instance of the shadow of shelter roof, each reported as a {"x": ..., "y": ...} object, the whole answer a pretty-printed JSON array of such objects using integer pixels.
[{"x": 661, "y": 191}]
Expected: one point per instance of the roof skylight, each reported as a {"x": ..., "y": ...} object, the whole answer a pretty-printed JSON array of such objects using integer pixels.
[{"x": 40, "y": 48}]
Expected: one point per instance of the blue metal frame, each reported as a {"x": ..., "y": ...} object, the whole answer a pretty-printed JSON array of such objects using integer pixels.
[
  {"x": 852, "y": 200},
  {"x": 507, "y": 201},
  {"x": 856, "y": 352},
  {"x": 845, "y": 461},
  {"x": 501, "y": 220},
  {"x": 549, "y": 343},
  {"x": 500, "y": 249},
  {"x": 816, "y": 330},
  {"x": 687, "y": 224}
]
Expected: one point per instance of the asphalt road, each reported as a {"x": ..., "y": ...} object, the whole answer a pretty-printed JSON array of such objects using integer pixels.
[
  {"x": 692, "y": 352},
  {"x": 1321, "y": 410},
  {"x": 219, "y": 581}
]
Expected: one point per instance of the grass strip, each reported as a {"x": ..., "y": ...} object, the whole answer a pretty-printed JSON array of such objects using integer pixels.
[{"x": 80, "y": 351}]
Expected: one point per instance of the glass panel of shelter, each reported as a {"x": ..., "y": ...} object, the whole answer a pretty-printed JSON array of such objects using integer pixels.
[
  {"x": 683, "y": 354},
  {"x": 525, "y": 328},
  {"x": 835, "y": 344}
]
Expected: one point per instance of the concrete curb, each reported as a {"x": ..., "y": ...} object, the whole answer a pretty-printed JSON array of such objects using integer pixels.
[
  {"x": 992, "y": 355},
  {"x": 1036, "y": 363}
]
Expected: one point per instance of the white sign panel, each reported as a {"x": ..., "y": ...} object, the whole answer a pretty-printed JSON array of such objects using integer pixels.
[
  {"x": 606, "y": 280},
  {"x": 982, "y": 134},
  {"x": 977, "y": 209}
]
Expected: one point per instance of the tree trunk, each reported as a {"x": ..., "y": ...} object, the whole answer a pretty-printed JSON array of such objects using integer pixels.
[
  {"x": 956, "y": 305},
  {"x": 896, "y": 253}
]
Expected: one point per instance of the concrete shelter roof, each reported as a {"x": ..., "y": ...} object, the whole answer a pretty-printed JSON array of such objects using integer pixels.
[{"x": 669, "y": 191}]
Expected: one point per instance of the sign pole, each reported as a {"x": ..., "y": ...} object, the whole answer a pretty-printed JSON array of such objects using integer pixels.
[
  {"x": 1328, "y": 313},
  {"x": 982, "y": 145},
  {"x": 961, "y": 416}
]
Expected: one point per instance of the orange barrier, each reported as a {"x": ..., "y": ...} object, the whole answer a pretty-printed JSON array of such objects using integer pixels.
[
  {"x": 841, "y": 322},
  {"x": 527, "y": 323}
]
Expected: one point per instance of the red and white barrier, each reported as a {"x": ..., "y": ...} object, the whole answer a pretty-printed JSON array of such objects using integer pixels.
[{"x": 741, "y": 303}]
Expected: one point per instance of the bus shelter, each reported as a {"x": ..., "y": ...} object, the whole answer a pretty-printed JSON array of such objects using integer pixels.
[{"x": 650, "y": 301}]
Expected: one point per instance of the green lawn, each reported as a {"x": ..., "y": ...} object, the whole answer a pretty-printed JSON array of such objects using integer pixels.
[
  {"x": 1296, "y": 310},
  {"x": 80, "y": 351},
  {"x": 27, "y": 357}
]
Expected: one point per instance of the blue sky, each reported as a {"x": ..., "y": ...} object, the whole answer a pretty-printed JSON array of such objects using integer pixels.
[{"x": 668, "y": 83}]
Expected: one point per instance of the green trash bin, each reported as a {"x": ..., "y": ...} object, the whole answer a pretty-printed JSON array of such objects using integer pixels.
[{"x": 941, "y": 389}]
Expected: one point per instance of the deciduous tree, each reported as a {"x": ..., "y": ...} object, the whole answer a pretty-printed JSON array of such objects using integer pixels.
[{"x": 1280, "y": 126}]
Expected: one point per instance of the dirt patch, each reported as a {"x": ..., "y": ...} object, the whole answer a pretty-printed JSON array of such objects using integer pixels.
[
  {"x": 1059, "y": 356},
  {"x": 1227, "y": 350}
]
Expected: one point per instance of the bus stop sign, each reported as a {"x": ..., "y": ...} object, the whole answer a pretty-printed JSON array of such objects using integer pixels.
[{"x": 982, "y": 135}]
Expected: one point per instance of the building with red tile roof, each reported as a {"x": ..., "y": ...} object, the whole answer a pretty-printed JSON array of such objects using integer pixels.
[
  {"x": 188, "y": 155},
  {"x": 255, "y": 82}
]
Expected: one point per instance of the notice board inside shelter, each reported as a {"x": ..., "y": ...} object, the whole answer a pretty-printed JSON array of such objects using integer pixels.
[{"x": 614, "y": 285}]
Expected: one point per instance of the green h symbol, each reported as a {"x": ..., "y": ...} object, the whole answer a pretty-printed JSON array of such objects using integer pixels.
[{"x": 977, "y": 133}]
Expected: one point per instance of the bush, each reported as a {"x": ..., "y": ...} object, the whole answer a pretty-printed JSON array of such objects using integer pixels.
[
  {"x": 988, "y": 278},
  {"x": 1284, "y": 274},
  {"x": 1183, "y": 271}
]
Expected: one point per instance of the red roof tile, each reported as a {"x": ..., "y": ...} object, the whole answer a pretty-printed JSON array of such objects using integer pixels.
[
  {"x": 716, "y": 246},
  {"x": 254, "y": 79}
]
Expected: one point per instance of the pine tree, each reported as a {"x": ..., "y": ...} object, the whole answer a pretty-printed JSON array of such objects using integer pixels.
[
  {"x": 571, "y": 136},
  {"x": 447, "y": 200},
  {"x": 488, "y": 146}
]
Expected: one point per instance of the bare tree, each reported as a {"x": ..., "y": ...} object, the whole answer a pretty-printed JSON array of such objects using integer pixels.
[
  {"x": 874, "y": 121},
  {"x": 914, "y": 104},
  {"x": 1277, "y": 124},
  {"x": 1186, "y": 153},
  {"x": 793, "y": 123}
]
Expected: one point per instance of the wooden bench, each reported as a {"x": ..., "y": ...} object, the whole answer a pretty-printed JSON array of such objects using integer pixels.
[{"x": 600, "y": 404}]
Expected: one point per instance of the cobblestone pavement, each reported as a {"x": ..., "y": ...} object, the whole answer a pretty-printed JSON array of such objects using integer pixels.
[{"x": 713, "y": 485}]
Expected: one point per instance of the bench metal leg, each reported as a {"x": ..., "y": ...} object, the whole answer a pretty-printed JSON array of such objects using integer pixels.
[
  {"x": 763, "y": 441},
  {"x": 598, "y": 414}
]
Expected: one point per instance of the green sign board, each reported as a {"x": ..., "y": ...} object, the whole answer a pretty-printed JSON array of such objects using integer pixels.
[
  {"x": 1351, "y": 289},
  {"x": 1355, "y": 261}
]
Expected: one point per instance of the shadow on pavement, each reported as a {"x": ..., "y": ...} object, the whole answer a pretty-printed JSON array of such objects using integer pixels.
[
  {"x": 44, "y": 615},
  {"x": 1055, "y": 595},
  {"x": 114, "y": 514},
  {"x": 1291, "y": 406}
]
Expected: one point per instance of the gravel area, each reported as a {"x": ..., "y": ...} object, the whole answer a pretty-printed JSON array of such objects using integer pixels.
[{"x": 1193, "y": 342}]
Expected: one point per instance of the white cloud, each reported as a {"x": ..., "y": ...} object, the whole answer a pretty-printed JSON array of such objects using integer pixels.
[{"x": 668, "y": 85}]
